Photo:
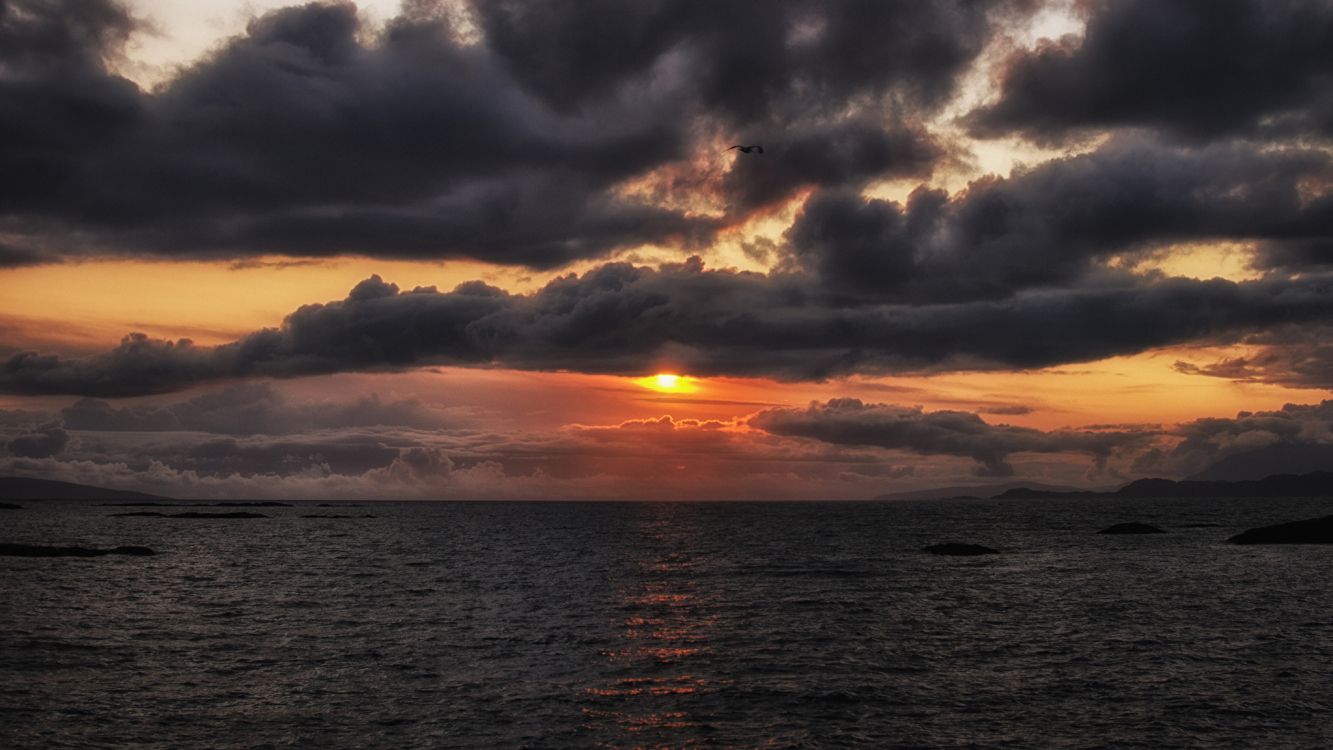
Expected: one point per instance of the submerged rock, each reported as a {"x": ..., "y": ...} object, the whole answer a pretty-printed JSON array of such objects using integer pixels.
[
  {"x": 1310, "y": 531},
  {"x": 956, "y": 548},
  {"x": 230, "y": 504},
  {"x": 10, "y": 506},
  {"x": 188, "y": 514},
  {"x": 33, "y": 550},
  {"x": 1131, "y": 528}
]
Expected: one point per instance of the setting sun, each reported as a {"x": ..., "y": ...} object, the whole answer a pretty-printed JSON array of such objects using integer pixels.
[{"x": 668, "y": 383}]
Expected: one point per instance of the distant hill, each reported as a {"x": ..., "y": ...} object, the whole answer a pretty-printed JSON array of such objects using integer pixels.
[
  {"x": 23, "y": 488},
  {"x": 1280, "y": 458},
  {"x": 971, "y": 490},
  {"x": 1317, "y": 484}
]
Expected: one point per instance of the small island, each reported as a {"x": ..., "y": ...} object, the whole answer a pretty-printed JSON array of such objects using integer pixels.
[{"x": 1310, "y": 531}]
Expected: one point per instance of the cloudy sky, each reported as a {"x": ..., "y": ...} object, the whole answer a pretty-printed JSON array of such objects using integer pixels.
[{"x": 501, "y": 249}]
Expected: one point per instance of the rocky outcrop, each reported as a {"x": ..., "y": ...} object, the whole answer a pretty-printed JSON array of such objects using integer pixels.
[
  {"x": 246, "y": 504},
  {"x": 959, "y": 549},
  {"x": 32, "y": 550},
  {"x": 1131, "y": 528},
  {"x": 10, "y": 506},
  {"x": 1311, "y": 531}
]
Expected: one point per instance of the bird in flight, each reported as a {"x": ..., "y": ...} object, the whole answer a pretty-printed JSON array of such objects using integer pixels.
[{"x": 747, "y": 149}]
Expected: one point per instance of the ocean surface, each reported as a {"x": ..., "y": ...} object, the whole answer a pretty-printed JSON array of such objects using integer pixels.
[{"x": 550, "y": 625}]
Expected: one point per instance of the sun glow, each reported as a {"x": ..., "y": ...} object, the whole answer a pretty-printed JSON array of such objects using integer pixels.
[{"x": 666, "y": 382}]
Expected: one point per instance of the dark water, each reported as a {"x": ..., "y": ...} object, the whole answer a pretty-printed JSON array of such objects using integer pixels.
[{"x": 670, "y": 625}]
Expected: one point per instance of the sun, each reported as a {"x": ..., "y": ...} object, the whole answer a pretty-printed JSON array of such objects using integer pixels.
[{"x": 668, "y": 382}]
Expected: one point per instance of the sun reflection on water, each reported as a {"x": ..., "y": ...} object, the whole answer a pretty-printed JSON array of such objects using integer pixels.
[{"x": 658, "y": 667}]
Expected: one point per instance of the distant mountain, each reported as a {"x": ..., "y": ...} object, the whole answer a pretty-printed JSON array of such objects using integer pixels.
[
  {"x": 971, "y": 490},
  {"x": 1318, "y": 484},
  {"x": 23, "y": 488},
  {"x": 1281, "y": 458}
]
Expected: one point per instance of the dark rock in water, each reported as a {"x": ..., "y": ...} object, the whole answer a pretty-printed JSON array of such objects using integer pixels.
[
  {"x": 1131, "y": 528},
  {"x": 234, "y": 514},
  {"x": 252, "y": 504},
  {"x": 246, "y": 504},
  {"x": 1311, "y": 531},
  {"x": 131, "y": 550},
  {"x": 140, "y": 505},
  {"x": 188, "y": 514},
  {"x": 32, "y": 550},
  {"x": 10, "y": 506},
  {"x": 955, "y": 548}
]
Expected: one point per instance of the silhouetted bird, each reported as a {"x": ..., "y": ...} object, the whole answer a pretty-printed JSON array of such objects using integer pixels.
[{"x": 748, "y": 149}]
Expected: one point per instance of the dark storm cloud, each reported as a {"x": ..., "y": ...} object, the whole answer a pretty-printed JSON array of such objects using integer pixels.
[
  {"x": 376, "y": 327},
  {"x": 301, "y": 137},
  {"x": 44, "y": 442},
  {"x": 1292, "y": 356},
  {"x": 844, "y": 154},
  {"x": 1196, "y": 69},
  {"x": 849, "y": 421},
  {"x": 313, "y": 135},
  {"x": 1057, "y": 222},
  {"x": 1207, "y": 441},
  {"x": 277, "y": 457},
  {"x": 247, "y": 409},
  {"x": 748, "y": 62},
  {"x": 1315, "y": 251},
  {"x": 833, "y": 91},
  {"x": 58, "y": 106},
  {"x": 624, "y": 319}
]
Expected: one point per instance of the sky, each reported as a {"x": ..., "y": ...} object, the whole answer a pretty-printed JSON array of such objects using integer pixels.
[{"x": 502, "y": 250}]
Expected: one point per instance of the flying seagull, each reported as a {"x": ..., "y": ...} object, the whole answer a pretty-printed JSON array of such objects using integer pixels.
[{"x": 748, "y": 149}]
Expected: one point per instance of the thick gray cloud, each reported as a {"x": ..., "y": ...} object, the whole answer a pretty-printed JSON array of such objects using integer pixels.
[
  {"x": 624, "y": 319},
  {"x": 248, "y": 409},
  {"x": 45, "y": 442},
  {"x": 846, "y": 154},
  {"x": 849, "y": 421},
  {"x": 1204, "y": 442},
  {"x": 312, "y": 134},
  {"x": 749, "y": 64},
  {"x": 1058, "y": 222},
  {"x": 1196, "y": 69},
  {"x": 309, "y": 135},
  {"x": 1293, "y": 356}
]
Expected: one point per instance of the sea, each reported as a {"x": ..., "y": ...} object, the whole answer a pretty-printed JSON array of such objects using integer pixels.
[{"x": 669, "y": 625}]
